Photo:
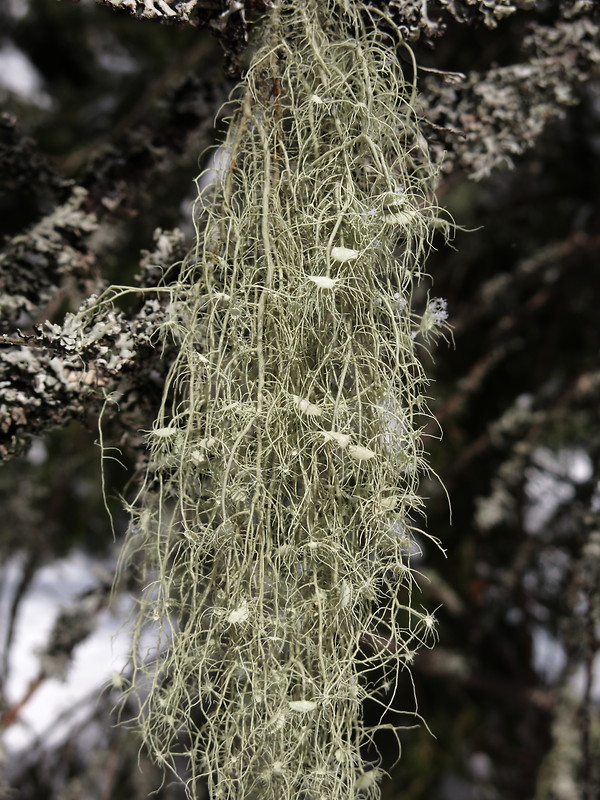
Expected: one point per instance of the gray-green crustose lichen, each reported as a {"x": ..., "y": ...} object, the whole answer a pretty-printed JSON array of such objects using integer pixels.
[
  {"x": 64, "y": 371},
  {"x": 485, "y": 120},
  {"x": 278, "y": 517}
]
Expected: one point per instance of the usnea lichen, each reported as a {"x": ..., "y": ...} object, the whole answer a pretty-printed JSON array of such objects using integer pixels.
[{"x": 277, "y": 519}]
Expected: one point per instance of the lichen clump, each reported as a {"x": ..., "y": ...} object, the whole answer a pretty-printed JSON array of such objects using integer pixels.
[{"x": 278, "y": 515}]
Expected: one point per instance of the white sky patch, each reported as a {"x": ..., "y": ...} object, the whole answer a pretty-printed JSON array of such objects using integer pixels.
[
  {"x": 580, "y": 679},
  {"x": 18, "y": 8},
  {"x": 571, "y": 462},
  {"x": 192, "y": 206},
  {"x": 19, "y": 76},
  {"x": 550, "y": 482},
  {"x": 112, "y": 56},
  {"x": 105, "y": 651},
  {"x": 549, "y": 657},
  {"x": 38, "y": 452},
  {"x": 217, "y": 165}
]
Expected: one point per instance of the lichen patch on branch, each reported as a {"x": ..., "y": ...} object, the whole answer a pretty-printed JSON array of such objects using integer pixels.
[{"x": 278, "y": 514}]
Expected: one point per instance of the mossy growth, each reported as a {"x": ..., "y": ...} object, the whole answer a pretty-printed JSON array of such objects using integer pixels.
[{"x": 278, "y": 515}]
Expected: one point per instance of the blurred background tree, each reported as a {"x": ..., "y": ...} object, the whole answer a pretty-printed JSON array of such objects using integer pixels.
[{"x": 105, "y": 113}]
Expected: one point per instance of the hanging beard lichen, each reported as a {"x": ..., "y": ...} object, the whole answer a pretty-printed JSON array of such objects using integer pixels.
[{"x": 286, "y": 459}]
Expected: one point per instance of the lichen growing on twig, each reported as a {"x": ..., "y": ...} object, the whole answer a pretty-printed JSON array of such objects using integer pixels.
[{"x": 278, "y": 515}]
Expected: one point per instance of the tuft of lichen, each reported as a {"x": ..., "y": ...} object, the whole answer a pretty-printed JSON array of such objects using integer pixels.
[{"x": 278, "y": 517}]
